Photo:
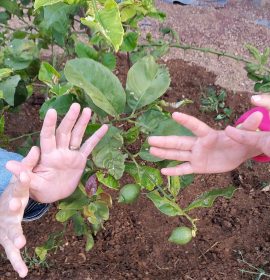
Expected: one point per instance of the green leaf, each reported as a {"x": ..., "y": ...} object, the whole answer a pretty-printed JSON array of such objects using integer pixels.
[
  {"x": 150, "y": 120},
  {"x": 165, "y": 205},
  {"x": 146, "y": 82},
  {"x": 79, "y": 225},
  {"x": 11, "y": 6},
  {"x": 4, "y": 73},
  {"x": 48, "y": 74},
  {"x": 263, "y": 87},
  {"x": 41, "y": 3},
  {"x": 131, "y": 135},
  {"x": 89, "y": 242},
  {"x": 101, "y": 85},
  {"x": 265, "y": 56},
  {"x": 174, "y": 185},
  {"x": 8, "y": 87},
  {"x": 130, "y": 42},
  {"x": 84, "y": 50},
  {"x": 127, "y": 13},
  {"x": 145, "y": 176},
  {"x": 109, "y": 60},
  {"x": 20, "y": 53},
  {"x": 107, "y": 21},
  {"x": 207, "y": 199},
  {"x": 4, "y": 17},
  {"x": 107, "y": 153},
  {"x": 74, "y": 202},
  {"x": 102, "y": 210},
  {"x": 41, "y": 252},
  {"x": 63, "y": 215},
  {"x": 107, "y": 181},
  {"x": 254, "y": 52},
  {"x": 60, "y": 103}
]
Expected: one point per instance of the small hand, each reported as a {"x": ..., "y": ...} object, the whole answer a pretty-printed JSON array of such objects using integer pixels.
[
  {"x": 13, "y": 202},
  {"x": 208, "y": 151},
  {"x": 62, "y": 158},
  {"x": 258, "y": 139}
]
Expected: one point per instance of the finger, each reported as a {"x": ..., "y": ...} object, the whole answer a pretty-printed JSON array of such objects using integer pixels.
[
  {"x": 184, "y": 143},
  {"x": 32, "y": 158},
  {"x": 63, "y": 132},
  {"x": 15, "y": 205},
  {"x": 47, "y": 134},
  {"x": 196, "y": 126},
  {"x": 14, "y": 256},
  {"x": 259, "y": 139},
  {"x": 28, "y": 163},
  {"x": 170, "y": 154},
  {"x": 182, "y": 169},
  {"x": 262, "y": 100},
  {"x": 91, "y": 142},
  {"x": 79, "y": 128},
  {"x": 252, "y": 122},
  {"x": 21, "y": 187},
  {"x": 15, "y": 234}
]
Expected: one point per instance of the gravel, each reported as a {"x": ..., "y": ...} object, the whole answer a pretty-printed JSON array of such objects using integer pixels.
[{"x": 227, "y": 29}]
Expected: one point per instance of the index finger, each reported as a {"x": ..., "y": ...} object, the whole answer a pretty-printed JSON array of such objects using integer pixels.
[
  {"x": 196, "y": 126},
  {"x": 47, "y": 134}
]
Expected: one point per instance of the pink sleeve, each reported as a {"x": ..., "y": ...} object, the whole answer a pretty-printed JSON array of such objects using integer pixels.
[{"x": 264, "y": 126}]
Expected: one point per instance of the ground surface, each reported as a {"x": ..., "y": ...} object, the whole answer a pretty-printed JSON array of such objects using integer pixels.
[
  {"x": 134, "y": 243},
  {"x": 227, "y": 29}
]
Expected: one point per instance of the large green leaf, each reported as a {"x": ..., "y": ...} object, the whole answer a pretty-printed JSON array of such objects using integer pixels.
[
  {"x": 107, "y": 21},
  {"x": 145, "y": 176},
  {"x": 102, "y": 86},
  {"x": 60, "y": 103},
  {"x": 107, "y": 180},
  {"x": 165, "y": 128},
  {"x": 146, "y": 82},
  {"x": 165, "y": 205},
  {"x": 150, "y": 120},
  {"x": 8, "y": 87},
  {"x": 107, "y": 153},
  {"x": 74, "y": 202},
  {"x": 41, "y": 3},
  {"x": 207, "y": 199},
  {"x": 20, "y": 53}
]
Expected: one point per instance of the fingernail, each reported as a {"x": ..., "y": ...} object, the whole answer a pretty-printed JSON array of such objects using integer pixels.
[{"x": 256, "y": 98}]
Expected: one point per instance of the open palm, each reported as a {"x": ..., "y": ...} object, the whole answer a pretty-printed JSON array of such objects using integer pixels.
[
  {"x": 208, "y": 151},
  {"x": 62, "y": 157}
]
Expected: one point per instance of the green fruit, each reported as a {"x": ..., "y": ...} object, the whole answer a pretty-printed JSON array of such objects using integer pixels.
[
  {"x": 181, "y": 235},
  {"x": 129, "y": 193}
]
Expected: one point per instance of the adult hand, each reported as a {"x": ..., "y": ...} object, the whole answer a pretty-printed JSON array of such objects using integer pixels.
[
  {"x": 62, "y": 157},
  {"x": 208, "y": 151},
  {"x": 13, "y": 202}
]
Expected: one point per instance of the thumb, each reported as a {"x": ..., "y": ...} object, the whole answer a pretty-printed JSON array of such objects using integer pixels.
[
  {"x": 27, "y": 164},
  {"x": 262, "y": 100}
]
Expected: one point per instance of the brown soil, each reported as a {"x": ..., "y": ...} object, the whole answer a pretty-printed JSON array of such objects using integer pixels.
[{"x": 134, "y": 243}]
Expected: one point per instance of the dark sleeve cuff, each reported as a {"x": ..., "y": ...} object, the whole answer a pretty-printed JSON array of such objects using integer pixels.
[{"x": 34, "y": 210}]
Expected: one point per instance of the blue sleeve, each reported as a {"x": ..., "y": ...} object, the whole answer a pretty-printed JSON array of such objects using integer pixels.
[
  {"x": 5, "y": 175},
  {"x": 34, "y": 210}
]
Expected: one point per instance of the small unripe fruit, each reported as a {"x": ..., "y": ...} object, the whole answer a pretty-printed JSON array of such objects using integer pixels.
[
  {"x": 181, "y": 235},
  {"x": 129, "y": 193}
]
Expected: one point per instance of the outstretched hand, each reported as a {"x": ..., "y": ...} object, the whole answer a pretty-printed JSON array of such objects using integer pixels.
[
  {"x": 62, "y": 157},
  {"x": 208, "y": 151},
  {"x": 13, "y": 202}
]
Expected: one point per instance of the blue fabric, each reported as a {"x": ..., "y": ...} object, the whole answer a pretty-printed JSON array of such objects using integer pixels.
[
  {"x": 5, "y": 175},
  {"x": 34, "y": 210}
]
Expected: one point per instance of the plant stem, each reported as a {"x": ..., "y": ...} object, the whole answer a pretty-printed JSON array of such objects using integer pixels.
[
  {"x": 22, "y": 136},
  {"x": 204, "y": 50}
]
